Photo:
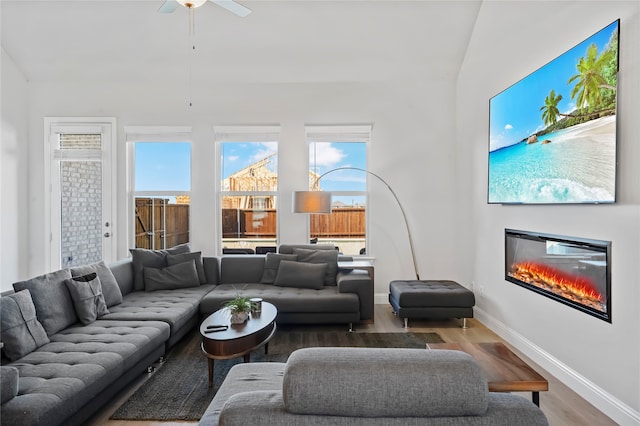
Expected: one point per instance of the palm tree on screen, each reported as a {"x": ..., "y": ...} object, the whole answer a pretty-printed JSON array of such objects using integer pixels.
[
  {"x": 550, "y": 111},
  {"x": 589, "y": 79}
]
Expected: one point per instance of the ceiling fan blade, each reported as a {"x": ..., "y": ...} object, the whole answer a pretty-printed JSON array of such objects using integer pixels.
[
  {"x": 233, "y": 7},
  {"x": 169, "y": 6}
]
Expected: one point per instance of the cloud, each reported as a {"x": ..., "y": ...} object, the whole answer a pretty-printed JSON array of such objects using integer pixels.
[
  {"x": 508, "y": 127},
  {"x": 325, "y": 155},
  {"x": 265, "y": 150}
]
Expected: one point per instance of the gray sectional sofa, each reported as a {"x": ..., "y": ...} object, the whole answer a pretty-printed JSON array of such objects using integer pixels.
[
  {"x": 72, "y": 339},
  {"x": 334, "y": 386}
]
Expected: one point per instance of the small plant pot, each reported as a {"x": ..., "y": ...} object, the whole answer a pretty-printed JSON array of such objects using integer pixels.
[{"x": 239, "y": 317}]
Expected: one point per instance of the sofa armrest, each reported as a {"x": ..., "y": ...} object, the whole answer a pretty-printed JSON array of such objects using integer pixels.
[{"x": 358, "y": 282}]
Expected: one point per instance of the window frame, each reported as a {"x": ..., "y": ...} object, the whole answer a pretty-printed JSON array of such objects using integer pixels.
[
  {"x": 152, "y": 134},
  {"x": 240, "y": 134},
  {"x": 343, "y": 134}
]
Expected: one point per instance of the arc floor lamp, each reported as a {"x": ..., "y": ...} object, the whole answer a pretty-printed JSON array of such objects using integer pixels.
[{"x": 317, "y": 201}]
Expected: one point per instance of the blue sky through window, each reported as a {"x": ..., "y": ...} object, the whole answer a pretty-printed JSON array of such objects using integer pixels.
[
  {"x": 163, "y": 166},
  {"x": 238, "y": 155}
]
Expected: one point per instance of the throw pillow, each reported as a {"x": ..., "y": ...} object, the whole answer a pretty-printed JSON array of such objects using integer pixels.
[
  {"x": 271, "y": 264},
  {"x": 330, "y": 257},
  {"x": 174, "y": 259},
  {"x": 181, "y": 275},
  {"x": 143, "y": 258},
  {"x": 110, "y": 288},
  {"x": 20, "y": 330},
  {"x": 54, "y": 306},
  {"x": 86, "y": 292},
  {"x": 8, "y": 383},
  {"x": 301, "y": 275}
]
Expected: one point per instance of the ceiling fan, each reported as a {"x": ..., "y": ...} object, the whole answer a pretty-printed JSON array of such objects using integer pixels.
[{"x": 236, "y": 8}]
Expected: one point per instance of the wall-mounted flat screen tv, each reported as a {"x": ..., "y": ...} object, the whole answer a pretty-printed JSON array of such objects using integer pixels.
[{"x": 552, "y": 135}]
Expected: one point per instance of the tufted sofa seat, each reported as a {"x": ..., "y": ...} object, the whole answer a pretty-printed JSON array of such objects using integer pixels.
[
  {"x": 82, "y": 365},
  {"x": 176, "y": 308}
]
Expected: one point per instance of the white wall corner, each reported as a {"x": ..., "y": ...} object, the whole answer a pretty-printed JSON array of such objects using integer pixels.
[{"x": 620, "y": 412}]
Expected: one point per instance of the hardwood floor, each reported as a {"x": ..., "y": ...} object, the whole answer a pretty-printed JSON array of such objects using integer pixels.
[{"x": 561, "y": 405}]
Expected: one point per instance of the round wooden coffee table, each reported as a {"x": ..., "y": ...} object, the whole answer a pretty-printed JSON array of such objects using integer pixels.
[{"x": 237, "y": 339}]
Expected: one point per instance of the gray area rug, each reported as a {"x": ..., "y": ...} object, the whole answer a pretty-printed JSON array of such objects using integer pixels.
[{"x": 178, "y": 390}]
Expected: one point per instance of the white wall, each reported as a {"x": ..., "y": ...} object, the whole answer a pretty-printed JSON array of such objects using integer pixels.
[
  {"x": 411, "y": 148},
  {"x": 14, "y": 228},
  {"x": 599, "y": 360}
]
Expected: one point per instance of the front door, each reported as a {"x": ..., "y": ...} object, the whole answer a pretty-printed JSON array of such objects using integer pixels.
[{"x": 81, "y": 202}]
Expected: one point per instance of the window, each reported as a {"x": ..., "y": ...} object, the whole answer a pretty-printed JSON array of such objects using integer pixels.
[
  {"x": 338, "y": 163},
  {"x": 248, "y": 182},
  {"x": 161, "y": 187}
]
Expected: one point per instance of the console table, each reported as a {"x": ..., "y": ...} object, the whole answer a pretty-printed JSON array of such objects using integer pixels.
[
  {"x": 362, "y": 265},
  {"x": 505, "y": 371}
]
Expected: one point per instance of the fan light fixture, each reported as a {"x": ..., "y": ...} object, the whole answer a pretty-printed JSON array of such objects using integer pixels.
[
  {"x": 319, "y": 202},
  {"x": 189, "y": 4}
]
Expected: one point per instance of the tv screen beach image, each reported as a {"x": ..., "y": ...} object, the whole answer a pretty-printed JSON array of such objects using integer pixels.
[{"x": 552, "y": 135}]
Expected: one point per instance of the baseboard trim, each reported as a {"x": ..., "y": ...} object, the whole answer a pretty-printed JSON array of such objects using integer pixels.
[
  {"x": 381, "y": 298},
  {"x": 617, "y": 410}
]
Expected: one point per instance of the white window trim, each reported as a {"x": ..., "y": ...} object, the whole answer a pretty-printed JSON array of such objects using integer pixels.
[
  {"x": 151, "y": 134},
  {"x": 242, "y": 133},
  {"x": 344, "y": 134}
]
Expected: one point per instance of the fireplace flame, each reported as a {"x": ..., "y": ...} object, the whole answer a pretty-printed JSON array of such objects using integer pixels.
[{"x": 569, "y": 286}]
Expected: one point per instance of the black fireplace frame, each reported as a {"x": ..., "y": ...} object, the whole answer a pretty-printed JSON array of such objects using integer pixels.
[{"x": 599, "y": 246}]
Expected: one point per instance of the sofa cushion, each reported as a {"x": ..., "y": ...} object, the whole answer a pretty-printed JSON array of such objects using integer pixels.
[
  {"x": 21, "y": 332},
  {"x": 423, "y": 383},
  {"x": 175, "y": 307},
  {"x": 330, "y": 257},
  {"x": 61, "y": 377},
  {"x": 196, "y": 256},
  {"x": 247, "y": 377},
  {"x": 271, "y": 264},
  {"x": 143, "y": 258},
  {"x": 110, "y": 289},
  {"x": 240, "y": 269},
  {"x": 287, "y": 299},
  {"x": 8, "y": 383},
  {"x": 54, "y": 306},
  {"x": 301, "y": 274},
  {"x": 86, "y": 292},
  {"x": 180, "y": 275}
]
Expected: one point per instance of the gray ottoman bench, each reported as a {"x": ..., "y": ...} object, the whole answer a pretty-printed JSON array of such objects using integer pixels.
[{"x": 433, "y": 299}]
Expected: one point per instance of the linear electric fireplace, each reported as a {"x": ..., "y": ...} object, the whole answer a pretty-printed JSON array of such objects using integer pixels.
[{"x": 573, "y": 271}]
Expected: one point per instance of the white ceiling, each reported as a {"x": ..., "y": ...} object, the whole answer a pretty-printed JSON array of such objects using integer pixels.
[{"x": 281, "y": 41}]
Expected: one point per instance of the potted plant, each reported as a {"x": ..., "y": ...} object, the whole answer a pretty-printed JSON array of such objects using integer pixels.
[{"x": 239, "y": 306}]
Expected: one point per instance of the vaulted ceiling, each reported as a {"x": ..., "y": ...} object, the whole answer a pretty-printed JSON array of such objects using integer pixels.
[{"x": 280, "y": 41}]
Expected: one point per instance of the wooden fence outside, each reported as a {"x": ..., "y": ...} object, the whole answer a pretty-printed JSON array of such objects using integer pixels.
[
  {"x": 160, "y": 224},
  {"x": 247, "y": 223}
]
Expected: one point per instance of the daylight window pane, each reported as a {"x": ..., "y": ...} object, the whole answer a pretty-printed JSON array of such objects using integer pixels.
[
  {"x": 248, "y": 221},
  {"x": 162, "y": 222},
  {"x": 327, "y": 156},
  {"x": 162, "y": 166},
  {"x": 249, "y": 166},
  {"x": 75, "y": 141},
  {"x": 340, "y": 167}
]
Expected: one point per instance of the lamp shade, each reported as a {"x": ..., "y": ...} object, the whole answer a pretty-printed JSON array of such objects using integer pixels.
[{"x": 311, "y": 202}]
